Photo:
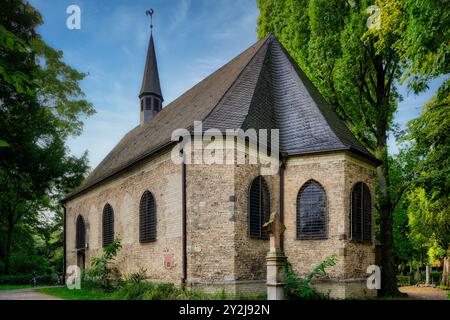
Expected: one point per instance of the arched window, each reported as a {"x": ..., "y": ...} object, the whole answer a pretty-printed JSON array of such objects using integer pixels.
[
  {"x": 258, "y": 208},
  {"x": 108, "y": 225},
  {"x": 361, "y": 213},
  {"x": 311, "y": 212},
  {"x": 147, "y": 218},
  {"x": 80, "y": 234}
]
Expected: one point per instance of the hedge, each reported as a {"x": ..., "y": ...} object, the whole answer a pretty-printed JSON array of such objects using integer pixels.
[{"x": 26, "y": 279}]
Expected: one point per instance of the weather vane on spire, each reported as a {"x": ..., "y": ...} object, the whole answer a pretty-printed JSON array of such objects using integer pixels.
[{"x": 150, "y": 13}]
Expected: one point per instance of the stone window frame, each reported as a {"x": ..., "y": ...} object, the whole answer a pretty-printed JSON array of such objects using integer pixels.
[
  {"x": 322, "y": 236},
  {"x": 262, "y": 235},
  {"x": 366, "y": 216},
  {"x": 107, "y": 239},
  {"x": 148, "y": 236}
]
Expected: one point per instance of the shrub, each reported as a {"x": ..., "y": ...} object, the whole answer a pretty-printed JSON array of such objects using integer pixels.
[
  {"x": 131, "y": 290},
  {"x": 104, "y": 271},
  {"x": 299, "y": 288},
  {"x": 24, "y": 263},
  {"x": 403, "y": 280}
]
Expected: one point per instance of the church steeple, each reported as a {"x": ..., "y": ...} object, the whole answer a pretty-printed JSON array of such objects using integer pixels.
[{"x": 150, "y": 96}]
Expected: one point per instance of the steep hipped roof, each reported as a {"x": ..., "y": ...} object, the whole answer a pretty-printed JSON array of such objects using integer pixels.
[
  {"x": 262, "y": 88},
  {"x": 150, "y": 81}
]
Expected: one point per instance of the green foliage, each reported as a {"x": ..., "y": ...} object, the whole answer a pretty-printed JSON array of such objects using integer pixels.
[
  {"x": 429, "y": 223},
  {"x": 25, "y": 263},
  {"x": 357, "y": 70},
  {"x": 18, "y": 79},
  {"x": 86, "y": 293},
  {"x": 299, "y": 288},
  {"x": 104, "y": 269},
  {"x": 25, "y": 279},
  {"x": 41, "y": 104},
  {"x": 132, "y": 290},
  {"x": 135, "y": 287}
]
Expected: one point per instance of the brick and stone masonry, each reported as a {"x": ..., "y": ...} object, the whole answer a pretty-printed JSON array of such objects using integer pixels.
[{"x": 220, "y": 253}]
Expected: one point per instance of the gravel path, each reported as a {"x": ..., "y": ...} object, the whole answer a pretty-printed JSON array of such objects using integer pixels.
[
  {"x": 24, "y": 294},
  {"x": 424, "y": 293}
]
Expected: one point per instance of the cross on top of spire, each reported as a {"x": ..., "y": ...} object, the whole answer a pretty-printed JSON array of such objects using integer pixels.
[{"x": 150, "y": 13}]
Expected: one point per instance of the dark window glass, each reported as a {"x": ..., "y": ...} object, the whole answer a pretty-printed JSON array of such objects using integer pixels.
[
  {"x": 311, "y": 212},
  {"x": 108, "y": 225},
  {"x": 361, "y": 213},
  {"x": 147, "y": 218},
  {"x": 258, "y": 208},
  {"x": 80, "y": 234}
]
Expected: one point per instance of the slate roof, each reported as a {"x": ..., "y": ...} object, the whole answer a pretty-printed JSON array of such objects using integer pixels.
[
  {"x": 262, "y": 88},
  {"x": 150, "y": 81}
]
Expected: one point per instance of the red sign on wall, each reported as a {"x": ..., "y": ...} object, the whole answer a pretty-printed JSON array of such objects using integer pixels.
[{"x": 169, "y": 261}]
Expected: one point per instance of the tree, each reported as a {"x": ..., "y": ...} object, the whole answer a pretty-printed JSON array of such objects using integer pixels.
[
  {"x": 35, "y": 167},
  {"x": 356, "y": 69},
  {"x": 429, "y": 138},
  {"x": 338, "y": 53}
]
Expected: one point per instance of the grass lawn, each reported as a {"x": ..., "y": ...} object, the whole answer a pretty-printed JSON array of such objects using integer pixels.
[{"x": 82, "y": 294}]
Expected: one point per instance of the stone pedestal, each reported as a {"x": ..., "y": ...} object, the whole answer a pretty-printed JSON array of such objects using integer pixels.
[
  {"x": 427, "y": 274},
  {"x": 275, "y": 275}
]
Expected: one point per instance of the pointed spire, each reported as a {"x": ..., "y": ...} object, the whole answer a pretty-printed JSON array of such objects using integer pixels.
[
  {"x": 150, "y": 81},
  {"x": 150, "y": 96}
]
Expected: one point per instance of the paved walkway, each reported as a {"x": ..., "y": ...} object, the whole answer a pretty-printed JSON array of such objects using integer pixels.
[
  {"x": 424, "y": 293},
  {"x": 25, "y": 294}
]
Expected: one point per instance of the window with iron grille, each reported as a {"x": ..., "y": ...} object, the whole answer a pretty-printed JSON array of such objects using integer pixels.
[
  {"x": 311, "y": 212},
  {"x": 361, "y": 213},
  {"x": 147, "y": 218},
  {"x": 258, "y": 208},
  {"x": 108, "y": 225},
  {"x": 80, "y": 234}
]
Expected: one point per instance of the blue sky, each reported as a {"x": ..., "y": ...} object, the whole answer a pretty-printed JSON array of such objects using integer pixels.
[{"x": 192, "y": 37}]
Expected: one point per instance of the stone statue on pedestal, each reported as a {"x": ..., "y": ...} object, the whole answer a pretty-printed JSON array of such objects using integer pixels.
[{"x": 275, "y": 258}]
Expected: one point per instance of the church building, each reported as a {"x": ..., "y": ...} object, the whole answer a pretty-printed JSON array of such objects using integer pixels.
[{"x": 201, "y": 224}]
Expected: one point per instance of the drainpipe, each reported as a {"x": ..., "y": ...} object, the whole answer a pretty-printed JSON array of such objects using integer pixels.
[
  {"x": 281, "y": 173},
  {"x": 183, "y": 222},
  {"x": 64, "y": 244}
]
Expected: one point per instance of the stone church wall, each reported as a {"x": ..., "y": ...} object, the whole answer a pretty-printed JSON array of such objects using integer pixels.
[
  {"x": 337, "y": 174},
  {"x": 161, "y": 259},
  {"x": 220, "y": 253}
]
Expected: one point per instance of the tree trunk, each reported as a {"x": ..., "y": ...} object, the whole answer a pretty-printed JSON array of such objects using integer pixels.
[
  {"x": 388, "y": 274},
  {"x": 445, "y": 281},
  {"x": 8, "y": 245}
]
